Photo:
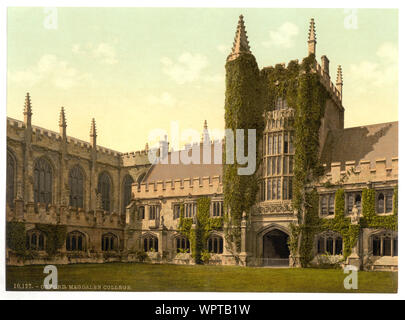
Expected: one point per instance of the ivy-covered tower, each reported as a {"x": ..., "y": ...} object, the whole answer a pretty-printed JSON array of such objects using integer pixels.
[{"x": 243, "y": 110}]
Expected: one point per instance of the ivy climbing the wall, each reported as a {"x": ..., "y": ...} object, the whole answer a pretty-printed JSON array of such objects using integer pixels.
[
  {"x": 371, "y": 219},
  {"x": 55, "y": 237},
  {"x": 15, "y": 236},
  {"x": 199, "y": 234},
  {"x": 243, "y": 110}
]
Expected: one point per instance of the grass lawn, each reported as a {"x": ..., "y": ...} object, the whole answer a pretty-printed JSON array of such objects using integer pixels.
[{"x": 155, "y": 277}]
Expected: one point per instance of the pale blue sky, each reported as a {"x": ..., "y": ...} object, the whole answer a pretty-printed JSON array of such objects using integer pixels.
[{"x": 137, "y": 69}]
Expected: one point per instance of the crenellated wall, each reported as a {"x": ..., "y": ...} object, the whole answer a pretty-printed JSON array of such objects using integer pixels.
[
  {"x": 179, "y": 188},
  {"x": 362, "y": 172}
]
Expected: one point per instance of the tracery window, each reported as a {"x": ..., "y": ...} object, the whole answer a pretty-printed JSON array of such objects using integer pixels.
[
  {"x": 75, "y": 241},
  {"x": 150, "y": 243},
  {"x": 109, "y": 242},
  {"x": 385, "y": 244},
  {"x": 182, "y": 245},
  {"x": 104, "y": 188},
  {"x": 76, "y": 182},
  {"x": 330, "y": 243},
  {"x": 385, "y": 201},
  {"x": 127, "y": 191},
  {"x": 42, "y": 181},
  {"x": 215, "y": 244},
  {"x": 35, "y": 240},
  {"x": 353, "y": 198}
]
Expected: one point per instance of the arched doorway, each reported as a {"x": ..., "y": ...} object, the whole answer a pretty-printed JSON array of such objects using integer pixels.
[{"x": 275, "y": 248}]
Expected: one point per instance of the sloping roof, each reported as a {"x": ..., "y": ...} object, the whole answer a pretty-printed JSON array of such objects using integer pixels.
[
  {"x": 162, "y": 172},
  {"x": 371, "y": 142}
]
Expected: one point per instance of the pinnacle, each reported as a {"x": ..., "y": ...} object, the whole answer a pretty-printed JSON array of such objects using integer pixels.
[
  {"x": 62, "y": 118},
  {"x": 339, "y": 78},
  {"x": 27, "y": 105},
  {"x": 93, "y": 130},
  {"x": 240, "y": 43},
  {"x": 312, "y": 31}
]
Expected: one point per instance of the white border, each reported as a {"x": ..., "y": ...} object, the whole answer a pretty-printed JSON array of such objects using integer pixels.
[{"x": 183, "y": 3}]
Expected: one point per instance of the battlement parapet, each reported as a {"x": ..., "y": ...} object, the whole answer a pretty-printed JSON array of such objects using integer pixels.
[
  {"x": 353, "y": 172},
  {"x": 178, "y": 187},
  {"x": 55, "y": 214},
  {"x": 15, "y": 123},
  {"x": 328, "y": 84}
]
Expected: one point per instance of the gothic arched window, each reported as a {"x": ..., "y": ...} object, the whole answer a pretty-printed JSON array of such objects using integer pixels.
[
  {"x": 385, "y": 244},
  {"x": 182, "y": 245},
  {"x": 36, "y": 240},
  {"x": 104, "y": 188},
  {"x": 150, "y": 243},
  {"x": 109, "y": 242},
  {"x": 11, "y": 170},
  {"x": 330, "y": 243},
  {"x": 75, "y": 241},
  {"x": 128, "y": 181},
  {"x": 76, "y": 187},
  {"x": 380, "y": 203},
  {"x": 215, "y": 244},
  {"x": 42, "y": 181}
]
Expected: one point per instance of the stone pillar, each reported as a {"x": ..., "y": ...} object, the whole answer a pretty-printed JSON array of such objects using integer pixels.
[{"x": 243, "y": 254}]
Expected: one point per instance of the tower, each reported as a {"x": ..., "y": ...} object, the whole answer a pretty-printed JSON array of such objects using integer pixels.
[
  {"x": 243, "y": 110},
  {"x": 312, "y": 38}
]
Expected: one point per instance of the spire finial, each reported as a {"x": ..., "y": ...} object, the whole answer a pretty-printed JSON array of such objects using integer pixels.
[
  {"x": 205, "y": 137},
  {"x": 62, "y": 118},
  {"x": 93, "y": 130},
  {"x": 27, "y": 110},
  {"x": 93, "y": 133},
  {"x": 311, "y": 37},
  {"x": 339, "y": 78},
  {"x": 240, "y": 43}
]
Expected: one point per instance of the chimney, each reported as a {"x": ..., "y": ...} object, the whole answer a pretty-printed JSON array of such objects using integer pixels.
[{"x": 325, "y": 65}]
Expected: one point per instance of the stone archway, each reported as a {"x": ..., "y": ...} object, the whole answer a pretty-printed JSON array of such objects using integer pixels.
[{"x": 275, "y": 248}]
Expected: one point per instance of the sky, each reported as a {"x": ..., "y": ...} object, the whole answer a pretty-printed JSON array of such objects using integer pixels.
[{"x": 138, "y": 69}]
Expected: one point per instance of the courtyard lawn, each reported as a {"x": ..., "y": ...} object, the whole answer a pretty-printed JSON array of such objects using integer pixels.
[{"x": 155, "y": 277}]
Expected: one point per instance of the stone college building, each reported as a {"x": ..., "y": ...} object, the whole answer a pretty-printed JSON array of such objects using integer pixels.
[{"x": 73, "y": 201}]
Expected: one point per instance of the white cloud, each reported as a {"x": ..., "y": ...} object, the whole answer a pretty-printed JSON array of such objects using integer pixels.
[
  {"x": 216, "y": 78},
  {"x": 283, "y": 36},
  {"x": 383, "y": 72},
  {"x": 102, "y": 52},
  {"x": 51, "y": 69},
  {"x": 388, "y": 51},
  {"x": 187, "y": 68},
  {"x": 165, "y": 99},
  {"x": 223, "y": 49}
]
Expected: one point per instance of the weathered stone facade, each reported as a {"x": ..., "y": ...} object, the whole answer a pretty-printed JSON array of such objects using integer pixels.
[{"x": 118, "y": 206}]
